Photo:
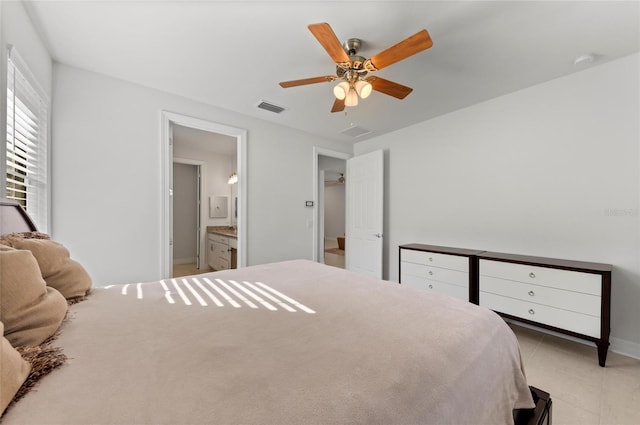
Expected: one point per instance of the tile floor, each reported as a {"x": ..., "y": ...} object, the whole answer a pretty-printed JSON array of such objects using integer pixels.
[
  {"x": 333, "y": 259},
  {"x": 188, "y": 269},
  {"x": 582, "y": 392}
]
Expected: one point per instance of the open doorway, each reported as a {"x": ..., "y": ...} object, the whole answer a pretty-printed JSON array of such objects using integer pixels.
[
  {"x": 330, "y": 181},
  {"x": 219, "y": 151},
  {"x": 203, "y": 163},
  {"x": 333, "y": 209}
]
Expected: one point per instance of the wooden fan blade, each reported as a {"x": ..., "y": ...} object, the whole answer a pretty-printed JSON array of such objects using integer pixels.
[
  {"x": 408, "y": 47},
  {"x": 389, "y": 87},
  {"x": 305, "y": 81},
  {"x": 327, "y": 38},
  {"x": 338, "y": 105}
]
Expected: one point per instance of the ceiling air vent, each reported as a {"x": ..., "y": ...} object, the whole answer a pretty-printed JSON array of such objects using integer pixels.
[
  {"x": 355, "y": 131},
  {"x": 270, "y": 107}
]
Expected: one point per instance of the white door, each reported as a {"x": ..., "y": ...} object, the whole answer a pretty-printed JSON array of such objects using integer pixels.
[
  {"x": 321, "y": 216},
  {"x": 363, "y": 250},
  {"x": 170, "y": 181},
  {"x": 198, "y": 218}
]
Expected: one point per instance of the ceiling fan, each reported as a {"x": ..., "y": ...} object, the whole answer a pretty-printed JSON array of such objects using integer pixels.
[
  {"x": 339, "y": 180},
  {"x": 352, "y": 69}
]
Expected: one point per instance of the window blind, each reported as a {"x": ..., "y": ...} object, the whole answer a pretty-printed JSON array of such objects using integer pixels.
[{"x": 27, "y": 119}]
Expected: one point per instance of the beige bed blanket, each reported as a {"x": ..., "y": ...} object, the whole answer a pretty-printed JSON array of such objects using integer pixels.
[{"x": 287, "y": 343}]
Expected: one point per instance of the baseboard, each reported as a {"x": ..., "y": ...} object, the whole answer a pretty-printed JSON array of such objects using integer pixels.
[
  {"x": 189, "y": 260},
  {"x": 624, "y": 347}
]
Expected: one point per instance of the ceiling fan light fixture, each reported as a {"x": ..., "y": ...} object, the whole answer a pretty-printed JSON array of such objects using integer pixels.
[
  {"x": 351, "y": 99},
  {"x": 363, "y": 88},
  {"x": 351, "y": 68},
  {"x": 340, "y": 91}
]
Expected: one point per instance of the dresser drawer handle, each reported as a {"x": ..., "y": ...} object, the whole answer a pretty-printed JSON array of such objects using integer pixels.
[
  {"x": 532, "y": 275},
  {"x": 531, "y": 311},
  {"x": 430, "y": 286},
  {"x": 430, "y": 258},
  {"x": 430, "y": 273},
  {"x": 531, "y": 293}
]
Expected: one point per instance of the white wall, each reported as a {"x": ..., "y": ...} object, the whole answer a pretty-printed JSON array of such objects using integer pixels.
[
  {"x": 552, "y": 170},
  {"x": 185, "y": 213},
  {"x": 107, "y": 177},
  {"x": 17, "y": 30},
  {"x": 334, "y": 210}
]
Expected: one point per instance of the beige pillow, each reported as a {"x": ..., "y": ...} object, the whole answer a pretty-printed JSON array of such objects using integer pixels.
[
  {"x": 31, "y": 311},
  {"x": 13, "y": 371},
  {"x": 57, "y": 267}
]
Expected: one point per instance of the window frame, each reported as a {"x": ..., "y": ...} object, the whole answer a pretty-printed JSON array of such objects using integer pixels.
[{"x": 40, "y": 194}]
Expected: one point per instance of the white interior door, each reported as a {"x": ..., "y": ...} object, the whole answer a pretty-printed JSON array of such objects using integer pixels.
[
  {"x": 365, "y": 192},
  {"x": 321, "y": 216},
  {"x": 170, "y": 206}
]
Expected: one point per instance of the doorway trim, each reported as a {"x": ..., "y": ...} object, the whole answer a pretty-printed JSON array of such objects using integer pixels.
[
  {"x": 317, "y": 152},
  {"x": 166, "y": 137}
]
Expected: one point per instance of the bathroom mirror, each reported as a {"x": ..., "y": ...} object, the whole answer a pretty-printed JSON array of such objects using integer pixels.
[{"x": 234, "y": 204}]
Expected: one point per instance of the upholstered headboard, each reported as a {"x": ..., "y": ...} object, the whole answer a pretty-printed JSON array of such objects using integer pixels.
[{"x": 13, "y": 218}]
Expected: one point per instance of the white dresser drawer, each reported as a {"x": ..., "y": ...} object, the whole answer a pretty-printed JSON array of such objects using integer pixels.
[
  {"x": 453, "y": 277},
  {"x": 563, "y": 319},
  {"x": 562, "y": 279},
  {"x": 220, "y": 250},
  {"x": 440, "y": 287},
  {"x": 218, "y": 238},
  {"x": 219, "y": 263},
  {"x": 454, "y": 262},
  {"x": 567, "y": 300}
]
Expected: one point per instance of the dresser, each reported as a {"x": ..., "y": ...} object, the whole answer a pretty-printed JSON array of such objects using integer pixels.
[
  {"x": 221, "y": 251},
  {"x": 451, "y": 271},
  {"x": 565, "y": 296}
]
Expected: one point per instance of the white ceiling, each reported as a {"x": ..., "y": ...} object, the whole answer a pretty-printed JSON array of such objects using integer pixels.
[{"x": 232, "y": 54}]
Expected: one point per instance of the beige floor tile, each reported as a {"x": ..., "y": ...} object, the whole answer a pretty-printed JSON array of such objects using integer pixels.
[
  {"x": 583, "y": 349},
  {"x": 572, "y": 362},
  {"x": 528, "y": 339},
  {"x": 582, "y": 392},
  {"x": 621, "y": 391},
  {"x": 333, "y": 259},
  {"x": 564, "y": 413},
  {"x": 619, "y": 415},
  {"x": 188, "y": 269}
]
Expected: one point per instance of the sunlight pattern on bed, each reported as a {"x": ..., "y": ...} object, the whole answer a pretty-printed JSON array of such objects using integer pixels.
[{"x": 217, "y": 292}]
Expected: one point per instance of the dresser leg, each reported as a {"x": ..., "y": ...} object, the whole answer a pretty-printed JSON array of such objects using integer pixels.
[{"x": 603, "y": 347}]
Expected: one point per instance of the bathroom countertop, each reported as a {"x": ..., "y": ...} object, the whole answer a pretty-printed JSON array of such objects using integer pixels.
[{"x": 223, "y": 230}]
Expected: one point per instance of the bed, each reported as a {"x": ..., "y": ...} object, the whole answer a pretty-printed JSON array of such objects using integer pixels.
[{"x": 294, "y": 342}]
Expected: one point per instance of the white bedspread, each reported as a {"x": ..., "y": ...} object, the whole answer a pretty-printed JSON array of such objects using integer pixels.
[{"x": 287, "y": 343}]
